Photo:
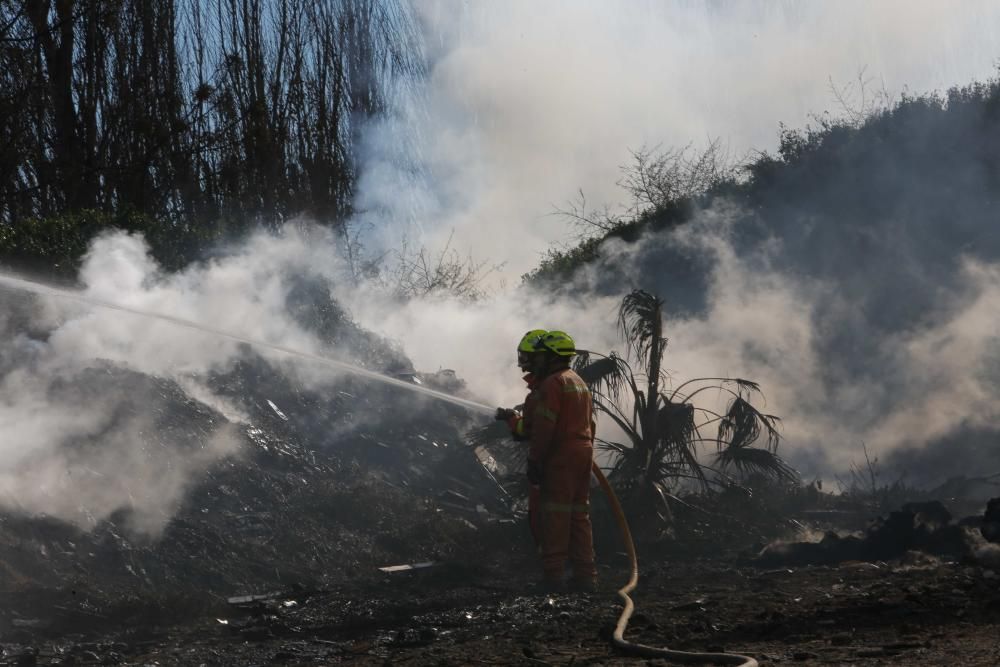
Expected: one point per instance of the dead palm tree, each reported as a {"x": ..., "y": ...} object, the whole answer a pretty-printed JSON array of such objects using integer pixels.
[{"x": 663, "y": 428}]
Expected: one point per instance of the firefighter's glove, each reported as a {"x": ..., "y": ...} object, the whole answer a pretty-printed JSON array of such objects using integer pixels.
[
  {"x": 504, "y": 414},
  {"x": 534, "y": 473}
]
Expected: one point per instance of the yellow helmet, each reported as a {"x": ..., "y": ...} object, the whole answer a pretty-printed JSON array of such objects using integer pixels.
[
  {"x": 526, "y": 348},
  {"x": 557, "y": 342},
  {"x": 530, "y": 339}
]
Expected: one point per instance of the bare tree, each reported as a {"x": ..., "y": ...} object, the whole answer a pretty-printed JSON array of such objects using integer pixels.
[
  {"x": 658, "y": 177},
  {"x": 410, "y": 273},
  {"x": 203, "y": 116},
  {"x": 859, "y": 99},
  {"x": 591, "y": 222}
]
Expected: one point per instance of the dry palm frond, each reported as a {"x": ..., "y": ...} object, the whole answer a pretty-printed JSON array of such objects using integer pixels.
[
  {"x": 606, "y": 375},
  {"x": 675, "y": 421},
  {"x": 678, "y": 437},
  {"x": 743, "y": 424},
  {"x": 680, "y": 459},
  {"x": 743, "y": 388},
  {"x": 608, "y": 446},
  {"x": 748, "y": 386},
  {"x": 640, "y": 323},
  {"x": 739, "y": 429},
  {"x": 749, "y": 460}
]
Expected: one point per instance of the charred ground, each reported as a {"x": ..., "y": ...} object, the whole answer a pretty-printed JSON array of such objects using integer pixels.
[{"x": 274, "y": 556}]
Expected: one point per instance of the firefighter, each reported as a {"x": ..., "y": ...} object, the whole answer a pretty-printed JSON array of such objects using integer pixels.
[
  {"x": 519, "y": 421},
  {"x": 526, "y": 353},
  {"x": 561, "y": 436}
]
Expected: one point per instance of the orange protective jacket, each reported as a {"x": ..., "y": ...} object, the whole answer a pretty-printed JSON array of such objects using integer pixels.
[{"x": 562, "y": 416}]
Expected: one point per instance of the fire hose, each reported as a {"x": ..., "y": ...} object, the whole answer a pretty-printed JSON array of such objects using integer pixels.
[{"x": 618, "y": 638}]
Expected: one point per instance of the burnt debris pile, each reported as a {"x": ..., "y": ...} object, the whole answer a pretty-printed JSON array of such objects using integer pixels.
[
  {"x": 319, "y": 482},
  {"x": 918, "y": 527}
]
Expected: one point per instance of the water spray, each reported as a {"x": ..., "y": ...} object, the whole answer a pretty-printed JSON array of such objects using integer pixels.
[
  {"x": 22, "y": 285},
  {"x": 618, "y": 639}
]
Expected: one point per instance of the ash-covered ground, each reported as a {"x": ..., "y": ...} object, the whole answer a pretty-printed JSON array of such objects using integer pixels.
[{"x": 273, "y": 552}]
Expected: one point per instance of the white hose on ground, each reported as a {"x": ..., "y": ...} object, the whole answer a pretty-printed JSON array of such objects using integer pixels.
[{"x": 618, "y": 639}]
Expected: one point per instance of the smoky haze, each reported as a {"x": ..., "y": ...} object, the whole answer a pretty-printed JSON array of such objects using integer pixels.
[
  {"x": 859, "y": 302},
  {"x": 105, "y": 410},
  {"x": 527, "y": 102}
]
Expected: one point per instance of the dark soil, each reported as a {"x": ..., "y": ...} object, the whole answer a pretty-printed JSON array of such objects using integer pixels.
[
  {"x": 274, "y": 558},
  {"x": 300, "y": 584},
  {"x": 914, "y": 611}
]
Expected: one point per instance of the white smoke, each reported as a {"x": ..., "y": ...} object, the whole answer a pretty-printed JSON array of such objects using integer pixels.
[
  {"x": 527, "y": 102},
  {"x": 758, "y": 324},
  {"x": 79, "y": 446}
]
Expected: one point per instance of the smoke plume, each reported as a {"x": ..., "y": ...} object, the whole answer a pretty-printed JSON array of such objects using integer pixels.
[
  {"x": 861, "y": 327},
  {"x": 93, "y": 400},
  {"x": 526, "y": 103},
  {"x": 865, "y": 331}
]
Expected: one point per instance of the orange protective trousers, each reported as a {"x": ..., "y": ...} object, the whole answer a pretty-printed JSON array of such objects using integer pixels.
[
  {"x": 565, "y": 514},
  {"x": 562, "y": 442}
]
